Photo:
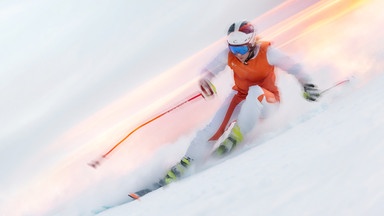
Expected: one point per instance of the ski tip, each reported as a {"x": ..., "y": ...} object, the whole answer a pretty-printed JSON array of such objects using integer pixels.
[{"x": 134, "y": 196}]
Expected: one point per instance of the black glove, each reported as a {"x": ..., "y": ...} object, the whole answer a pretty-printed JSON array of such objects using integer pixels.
[
  {"x": 311, "y": 92},
  {"x": 207, "y": 88}
]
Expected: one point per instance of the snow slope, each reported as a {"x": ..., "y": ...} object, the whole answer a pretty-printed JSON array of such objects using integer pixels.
[
  {"x": 328, "y": 164},
  {"x": 310, "y": 159}
]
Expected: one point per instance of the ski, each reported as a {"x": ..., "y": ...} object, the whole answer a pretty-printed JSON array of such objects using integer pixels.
[
  {"x": 136, "y": 195},
  {"x": 140, "y": 193},
  {"x": 133, "y": 196}
]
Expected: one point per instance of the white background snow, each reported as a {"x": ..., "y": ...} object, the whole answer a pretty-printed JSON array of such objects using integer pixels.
[{"x": 77, "y": 76}]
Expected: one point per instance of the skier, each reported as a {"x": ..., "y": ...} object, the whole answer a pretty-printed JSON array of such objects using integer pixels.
[{"x": 254, "y": 95}]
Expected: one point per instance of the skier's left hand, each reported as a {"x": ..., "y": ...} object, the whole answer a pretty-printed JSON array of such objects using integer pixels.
[
  {"x": 311, "y": 92},
  {"x": 207, "y": 88}
]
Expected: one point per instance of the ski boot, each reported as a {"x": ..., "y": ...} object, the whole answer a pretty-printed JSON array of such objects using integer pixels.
[
  {"x": 230, "y": 142},
  {"x": 176, "y": 172}
]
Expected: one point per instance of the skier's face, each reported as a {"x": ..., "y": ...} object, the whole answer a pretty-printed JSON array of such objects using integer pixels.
[{"x": 240, "y": 51}]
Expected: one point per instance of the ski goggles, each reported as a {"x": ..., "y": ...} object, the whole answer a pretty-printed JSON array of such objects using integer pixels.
[{"x": 239, "y": 49}]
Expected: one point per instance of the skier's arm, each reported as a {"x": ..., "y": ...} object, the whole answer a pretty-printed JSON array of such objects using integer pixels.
[
  {"x": 284, "y": 62},
  {"x": 217, "y": 65},
  {"x": 281, "y": 60}
]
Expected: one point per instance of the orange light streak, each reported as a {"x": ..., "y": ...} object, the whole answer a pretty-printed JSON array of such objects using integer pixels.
[{"x": 310, "y": 19}]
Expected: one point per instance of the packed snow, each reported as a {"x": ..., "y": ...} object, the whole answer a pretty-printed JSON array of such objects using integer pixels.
[{"x": 78, "y": 76}]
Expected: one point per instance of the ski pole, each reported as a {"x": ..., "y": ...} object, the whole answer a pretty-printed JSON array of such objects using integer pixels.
[
  {"x": 97, "y": 162},
  {"x": 335, "y": 85}
]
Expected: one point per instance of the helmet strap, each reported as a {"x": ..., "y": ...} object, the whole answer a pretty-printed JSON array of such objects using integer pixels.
[{"x": 250, "y": 55}]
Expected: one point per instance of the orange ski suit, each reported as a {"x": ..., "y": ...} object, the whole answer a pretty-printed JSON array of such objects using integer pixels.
[{"x": 258, "y": 72}]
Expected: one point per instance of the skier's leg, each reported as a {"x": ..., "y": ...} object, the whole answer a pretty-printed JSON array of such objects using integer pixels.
[
  {"x": 252, "y": 109},
  {"x": 203, "y": 143},
  {"x": 200, "y": 146},
  {"x": 260, "y": 103}
]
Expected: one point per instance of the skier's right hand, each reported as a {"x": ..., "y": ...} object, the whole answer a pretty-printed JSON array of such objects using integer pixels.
[{"x": 207, "y": 88}]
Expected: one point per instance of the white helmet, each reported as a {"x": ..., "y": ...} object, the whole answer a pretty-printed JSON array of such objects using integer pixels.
[{"x": 241, "y": 33}]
